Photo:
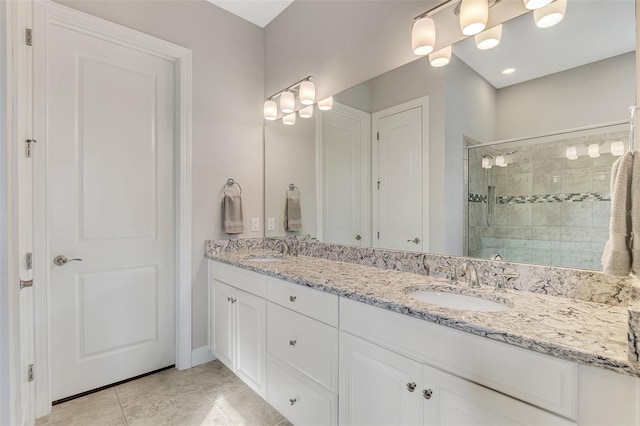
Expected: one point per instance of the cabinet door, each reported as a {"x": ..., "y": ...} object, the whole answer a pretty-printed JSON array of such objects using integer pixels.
[
  {"x": 453, "y": 401},
  {"x": 221, "y": 327},
  {"x": 376, "y": 385},
  {"x": 251, "y": 348}
]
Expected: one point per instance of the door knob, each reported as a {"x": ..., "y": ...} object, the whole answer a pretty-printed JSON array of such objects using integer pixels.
[
  {"x": 358, "y": 237},
  {"x": 416, "y": 240},
  {"x": 62, "y": 260}
]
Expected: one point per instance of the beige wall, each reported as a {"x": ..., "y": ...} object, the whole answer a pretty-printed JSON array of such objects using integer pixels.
[{"x": 227, "y": 112}]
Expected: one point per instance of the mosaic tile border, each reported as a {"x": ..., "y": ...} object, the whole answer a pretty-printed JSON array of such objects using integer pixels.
[{"x": 573, "y": 197}]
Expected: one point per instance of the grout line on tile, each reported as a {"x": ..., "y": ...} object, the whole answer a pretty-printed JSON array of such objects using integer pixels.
[{"x": 120, "y": 404}]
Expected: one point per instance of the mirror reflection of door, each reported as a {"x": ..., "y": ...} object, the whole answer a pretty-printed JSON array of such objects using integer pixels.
[
  {"x": 344, "y": 154},
  {"x": 398, "y": 173}
]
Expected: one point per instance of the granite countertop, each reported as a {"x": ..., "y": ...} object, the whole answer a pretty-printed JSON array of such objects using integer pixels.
[{"x": 585, "y": 332}]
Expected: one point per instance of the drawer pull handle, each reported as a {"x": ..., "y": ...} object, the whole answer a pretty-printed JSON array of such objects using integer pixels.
[
  {"x": 292, "y": 343},
  {"x": 427, "y": 393},
  {"x": 411, "y": 386},
  {"x": 293, "y": 401},
  {"x": 292, "y": 299}
]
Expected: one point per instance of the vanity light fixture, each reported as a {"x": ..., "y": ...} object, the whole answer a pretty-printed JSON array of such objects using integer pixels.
[
  {"x": 307, "y": 93},
  {"x": 551, "y": 14},
  {"x": 287, "y": 102},
  {"x": 289, "y": 119},
  {"x": 423, "y": 36},
  {"x": 617, "y": 148},
  {"x": 535, "y": 4},
  {"x": 571, "y": 153},
  {"x": 474, "y": 15},
  {"x": 490, "y": 38},
  {"x": 270, "y": 110},
  {"x": 593, "y": 150},
  {"x": 440, "y": 58},
  {"x": 306, "y": 112},
  {"x": 326, "y": 104}
]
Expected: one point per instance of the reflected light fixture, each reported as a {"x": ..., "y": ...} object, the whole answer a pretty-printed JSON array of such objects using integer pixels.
[
  {"x": 593, "y": 150},
  {"x": 306, "y": 112},
  {"x": 270, "y": 110},
  {"x": 307, "y": 93},
  {"x": 474, "y": 15},
  {"x": 490, "y": 38},
  {"x": 551, "y": 14},
  {"x": 571, "y": 153},
  {"x": 289, "y": 119},
  {"x": 326, "y": 104},
  {"x": 423, "y": 36},
  {"x": 486, "y": 162},
  {"x": 501, "y": 161},
  {"x": 535, "y": 4},
  {"x": 617, "y": 148},
  {"x": 287, "y": 102},
  {"x": 441, "y": 57}
]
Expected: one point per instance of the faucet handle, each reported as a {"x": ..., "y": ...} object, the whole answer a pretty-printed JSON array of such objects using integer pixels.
[{"x": 501, "y": 283}]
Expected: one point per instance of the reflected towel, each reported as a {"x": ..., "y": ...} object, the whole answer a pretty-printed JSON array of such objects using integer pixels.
[
  {"x": 635, "y": 215},
  {"x": 233, "y": 221},
  {"x": 292, "y": 213},
  {"x": 616, "y": 259}
]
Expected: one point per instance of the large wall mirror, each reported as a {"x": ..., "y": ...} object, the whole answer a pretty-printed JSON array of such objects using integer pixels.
[{"x": 466, "y": 159}]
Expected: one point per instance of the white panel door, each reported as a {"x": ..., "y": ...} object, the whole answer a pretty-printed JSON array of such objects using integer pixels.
[
  {"x": 345, "y": 169},
  {"x": 399, "y": 180},
  {"x": 110, "y": 173},
  {"x": 377, "y": 386}
]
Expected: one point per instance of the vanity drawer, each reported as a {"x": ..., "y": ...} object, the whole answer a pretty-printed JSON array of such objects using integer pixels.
[
  {"x": 251, "y": 282},
  {"x": 314, "y": 303},
  {"x": 299, "y": 399},
  {"x": 306, "y": 344}
]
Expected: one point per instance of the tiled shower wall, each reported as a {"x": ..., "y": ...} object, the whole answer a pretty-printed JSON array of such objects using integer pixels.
[{"x": 548, "y": 209}]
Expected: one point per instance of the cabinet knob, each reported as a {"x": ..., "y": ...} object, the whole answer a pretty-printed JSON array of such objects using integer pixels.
[
  {"x": 292, "y": 343},
  {"x": 293, "y": 401},
  {"x": 229, "y": 299},
  {"x": 292, "y": 299},
  {"x": 427, "y": 393},
  {"x": 411, "y": 386}
]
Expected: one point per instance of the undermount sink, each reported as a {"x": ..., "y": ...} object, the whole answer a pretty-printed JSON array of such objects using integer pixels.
[
  {"x": 265, "y": 258},
  {"x": 457, "y": 301}
]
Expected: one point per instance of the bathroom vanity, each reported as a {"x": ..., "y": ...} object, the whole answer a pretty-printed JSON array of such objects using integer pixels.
[{"x": 329, "y": 342}]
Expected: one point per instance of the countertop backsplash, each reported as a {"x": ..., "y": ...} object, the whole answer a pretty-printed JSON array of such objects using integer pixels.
[{"x": 589, "y": 286}]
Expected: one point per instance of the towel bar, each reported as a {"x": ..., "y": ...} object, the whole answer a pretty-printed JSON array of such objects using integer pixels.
[
  {"x": 230, "y": 183},
  {"x": 292, "y": 187}
]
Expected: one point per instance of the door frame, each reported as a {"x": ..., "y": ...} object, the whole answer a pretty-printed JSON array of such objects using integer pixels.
[
  {"x": 365, "y": 151},
  {"x": 422, "y": 102},
  {"x": 46, "y": 12}
]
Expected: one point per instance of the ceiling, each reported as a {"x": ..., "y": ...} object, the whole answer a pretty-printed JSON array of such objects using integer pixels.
[
  {"x": 591, "y": 31},
  {"x": 259, "y": 12}
]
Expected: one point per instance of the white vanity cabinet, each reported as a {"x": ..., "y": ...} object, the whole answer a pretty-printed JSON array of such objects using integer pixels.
[{"x": 238, "y": 322}]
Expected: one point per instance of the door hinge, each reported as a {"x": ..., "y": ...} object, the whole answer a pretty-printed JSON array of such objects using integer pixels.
[
  {"x": 29, "y": 260},
  {"x": 28, "y": 36},
  {"x": 378, "y": 185},
  {"x": 29, "y": 142},
  {"x": 378, "y": 234},
  {"x": 30, "y": 373},
  {"x": 378, "y": 135}
]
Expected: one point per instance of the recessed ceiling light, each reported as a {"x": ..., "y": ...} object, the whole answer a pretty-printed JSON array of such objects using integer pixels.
[{"x": 508, "y": 71}]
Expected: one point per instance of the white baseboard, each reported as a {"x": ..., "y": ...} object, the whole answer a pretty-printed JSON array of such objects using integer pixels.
[{"x": 201, "y": 355}]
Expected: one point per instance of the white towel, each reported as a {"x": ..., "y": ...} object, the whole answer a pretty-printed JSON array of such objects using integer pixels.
[
  {"x": 635, "y": 215},
  {"x": 616, "y": 259},
  {"x": 232, "y": 219},
  {"x": 292, "y": 213}
]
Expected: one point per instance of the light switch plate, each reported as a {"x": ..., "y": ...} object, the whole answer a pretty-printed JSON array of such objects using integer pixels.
[
  {"x": 255, "y": 224},
  {"x": 271, "y": 224}
]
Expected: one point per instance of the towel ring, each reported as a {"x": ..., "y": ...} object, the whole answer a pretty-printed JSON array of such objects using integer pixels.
[
  {"x": 229, "y": 184},
  {"x": 292, "y": 187}
]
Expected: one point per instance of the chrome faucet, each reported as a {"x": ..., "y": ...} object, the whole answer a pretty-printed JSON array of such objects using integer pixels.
[
  {"x": 284, "y": 248},
  {"x": 468, "y": 270}
]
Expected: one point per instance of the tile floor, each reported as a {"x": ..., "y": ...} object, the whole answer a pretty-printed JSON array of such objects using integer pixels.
[{"x": 206, "y": 395}]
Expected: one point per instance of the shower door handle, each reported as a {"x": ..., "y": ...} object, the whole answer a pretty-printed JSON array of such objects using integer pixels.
[{"x": 416, "y": 240}]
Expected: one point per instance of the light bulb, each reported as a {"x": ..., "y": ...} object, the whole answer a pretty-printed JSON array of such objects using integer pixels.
[
  {"x": 306, "y": 112},
  {"x": 270, "y": 110},
  {"x": 307, "y": 93},
  {"x": 326, "y": 104},
  {"x": 536, "y": 4},
  {"x": 550, "y": 14},
  {"x": 289, "y": 120},
  {"x": 287, "y": 102},
  {"x": 593, "y": 150},
  {"x": 490, "y": 38},
  {"x": 617, "y": 148},
  {"x": 423, "y": 36},
  {"x": 440, "y": 58},
  {"x": 571, "y": 153},
  {"x": 474, "y": 15},
  {"x": 486, "y": 162},
  {"x": 501, "y": 161}
]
